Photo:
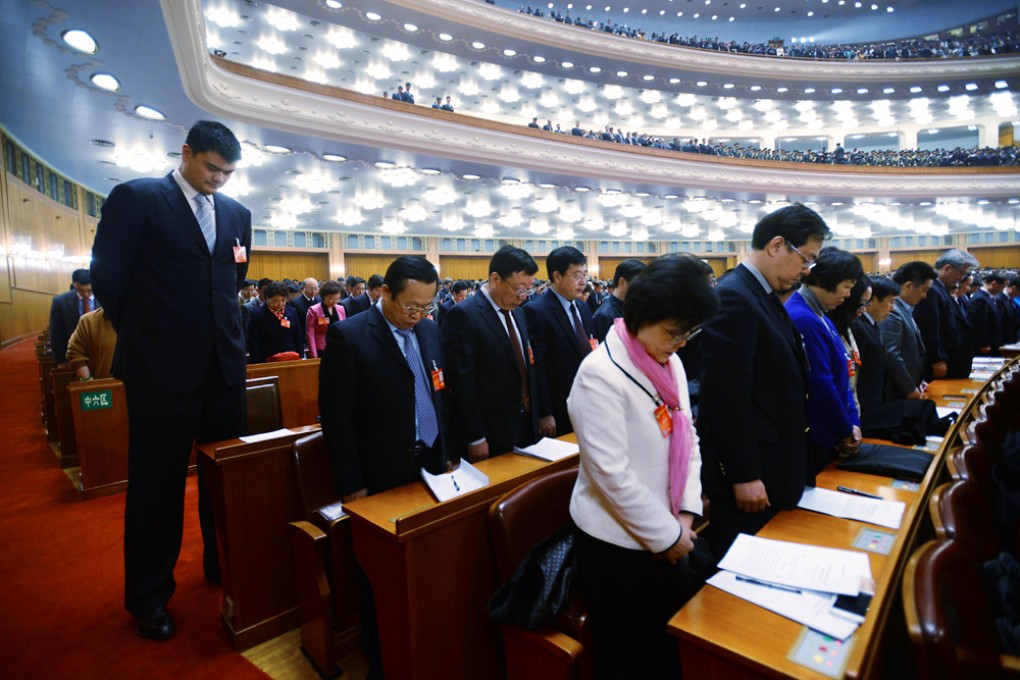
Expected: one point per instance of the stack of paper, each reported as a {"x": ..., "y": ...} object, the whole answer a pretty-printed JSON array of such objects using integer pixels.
[
  {"x": 452, "y": 484},
  {"x": 549, "y": 449},
  {"x": 872, "y": 510},
  {"x": 795, "y": 580}
]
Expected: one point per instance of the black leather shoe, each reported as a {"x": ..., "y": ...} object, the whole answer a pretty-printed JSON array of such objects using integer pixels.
[{"x": 157, "y": 625}]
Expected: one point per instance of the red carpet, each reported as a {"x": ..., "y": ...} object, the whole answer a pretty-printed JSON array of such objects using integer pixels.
[{"x": 61, "y": 568}]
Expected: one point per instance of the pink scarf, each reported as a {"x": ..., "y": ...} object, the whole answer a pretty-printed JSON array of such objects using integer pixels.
[{"x": 664, "y": 381}]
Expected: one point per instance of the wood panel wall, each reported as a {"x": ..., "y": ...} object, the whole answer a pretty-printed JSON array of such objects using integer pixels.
[
  {"x": 297, "y": 266},
  {"x": 365, "y": 265},
  {"x": 1003, "y": 257},
  {"x": 869, "y": 261},
  {"x": 900, "y": 257},
  {"x": 466, "y": 267}
]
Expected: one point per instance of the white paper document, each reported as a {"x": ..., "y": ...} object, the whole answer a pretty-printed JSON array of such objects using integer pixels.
[
  {"x": 452, "y": 484},
  {"x": 807, "y": 607},
  {"x": 863, "y": 509},
  {"x": 549, "y": 449},
  {"x": 263, "y": 436},
  {"x": 798, "y": 565},
  {"x": 943, "y": 411}
]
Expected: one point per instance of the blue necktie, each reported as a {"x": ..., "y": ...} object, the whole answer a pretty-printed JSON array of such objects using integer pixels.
[
  {"x": 206, "y": 220},
  {"x": 424, "y": 409}
]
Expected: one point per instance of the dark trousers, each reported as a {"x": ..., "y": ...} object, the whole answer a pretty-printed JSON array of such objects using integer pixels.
[
  {"x": 630, "y": 598},
  {"x": 726, "y": 521},
  {"x": 163, "y": 425}
]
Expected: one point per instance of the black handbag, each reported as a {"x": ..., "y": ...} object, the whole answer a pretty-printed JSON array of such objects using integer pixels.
[
  {"x": 540, "y": 586},
  {"x": 889, "y": 461}
]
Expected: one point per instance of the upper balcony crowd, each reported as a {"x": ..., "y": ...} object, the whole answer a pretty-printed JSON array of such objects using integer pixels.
[{"x": 1007, "y": 42}]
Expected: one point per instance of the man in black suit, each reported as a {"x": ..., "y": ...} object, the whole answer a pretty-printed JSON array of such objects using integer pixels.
[
  {"x": 458, "y": 293},
  {"x": 309, "y": 296},
  {"x": 752, "y": 417},
  {"x": 492, "y": 373},
  {"x": 356, "y": 301},
  {"x": 66, "y": 309},
  {"x": 562, "y": 334},
  {"x": 1008, "y": 312},
  {"x": 612, "y": 308},
  {"x": 180, "y": 349},
  {"x": 985, "y": 315},
  {"x": 873, "y": 388},
  {"x": 391, "y": 358},
  {"x": 944, "y": 328}
]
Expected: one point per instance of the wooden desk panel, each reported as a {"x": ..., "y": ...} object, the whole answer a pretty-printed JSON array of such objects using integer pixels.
[
  {"x": 62, "y": 377},
  {"x": 49, "y": 417},
  {"x": 723, "y": 636},
  {"x": 299, "y": 389},
  {"x": 432, "y": 571},
  {"x": 101, "y": 438},
  {"x": 254, "y": 497}
]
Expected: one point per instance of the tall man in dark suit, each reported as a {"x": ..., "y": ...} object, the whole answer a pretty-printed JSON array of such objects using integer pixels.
[
  {"x": 562, "y": 334},
  {"x": 985, "y": 315},
  {"x": 66, "y": 309},
  {"x": 752, "y": 417},
  {"x": 904, "y": 346},
  {"x": 180, "y": 349},
  {"x": 944, "y": 327},
  {"x": 492, "y": 372},
  {"x": 391, "y": 358}
]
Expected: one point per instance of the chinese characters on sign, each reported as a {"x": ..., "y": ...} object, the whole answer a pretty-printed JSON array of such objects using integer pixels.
[{"x": 91, "y": 401}]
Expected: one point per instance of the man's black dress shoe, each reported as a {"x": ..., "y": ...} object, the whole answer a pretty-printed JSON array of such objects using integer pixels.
[{"x": 157, "y": 625}]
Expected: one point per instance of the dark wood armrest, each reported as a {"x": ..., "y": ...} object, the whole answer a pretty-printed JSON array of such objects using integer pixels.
[{"x": 543, "y": 654}]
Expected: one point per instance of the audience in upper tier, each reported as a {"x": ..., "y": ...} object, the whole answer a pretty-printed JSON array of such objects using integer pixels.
[{"x": 1007, "y": 42}]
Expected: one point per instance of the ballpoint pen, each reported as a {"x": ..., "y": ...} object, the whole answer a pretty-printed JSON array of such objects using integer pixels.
[
  {"x": 455, "y": 484},
  {"x": 857, "y": 492},
  {"x": 747, "y": 579}
]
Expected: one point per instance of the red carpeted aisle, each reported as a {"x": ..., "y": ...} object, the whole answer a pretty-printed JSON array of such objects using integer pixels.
[{"x": 61, "y": 567}]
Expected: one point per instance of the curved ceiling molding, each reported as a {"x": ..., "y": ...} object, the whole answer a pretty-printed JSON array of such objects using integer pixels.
[
  {"x": 596, "y": 43},
  {"x": 242, "y": 93}
]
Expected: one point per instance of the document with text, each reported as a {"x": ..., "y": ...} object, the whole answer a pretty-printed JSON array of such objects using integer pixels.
[
  {"x": 797, "y": 565},
  {"x": 549, "y": 449},
  {"x": 838, "y": 504},
  {"x": 452, "y": 484}
]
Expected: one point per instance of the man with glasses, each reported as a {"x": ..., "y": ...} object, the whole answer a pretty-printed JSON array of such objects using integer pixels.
[
  {"x": 391, "y": 357},
  {"x": 562, "y": 334},
  {"x": 752, "y": 417},
  {"x": 945, "y": 329},
  {"x": 491, "y": 361}
]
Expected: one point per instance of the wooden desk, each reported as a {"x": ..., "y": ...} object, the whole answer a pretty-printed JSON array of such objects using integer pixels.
[
  {"x": 49, "y": 417},
  {"x": 62, "y": 377},
  {"x": 299, "y": 388},
  {"x": 253, "y": 488},
  {"x": 723, "y": 636},
  {"x": 101, "y": 436},
  {"x": 432, "y": 571}
]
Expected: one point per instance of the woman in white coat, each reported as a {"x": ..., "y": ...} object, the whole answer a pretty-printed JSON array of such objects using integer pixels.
[{"x": 639, "y": 486}]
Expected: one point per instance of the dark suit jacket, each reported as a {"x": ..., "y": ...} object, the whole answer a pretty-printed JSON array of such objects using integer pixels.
[
  {"x": 904, "y": 349},
  {"x": 356, "y": 305},
  {"x": 167, "y": 334},
  {"x": 945, "y": 332},
  {"x": 986, "y": 321},
  {"x": 1010, "y": 320},
  {"x": 366, "y": 399},
  {"x": 442, "y": 310},
  {"x": 752, "y": 416},
  {"x": 872, "y": 379},
  {"x": 558, "y": 354},
  {"x": 63, "y": 320},
  {"x": 484, "y": 381},
  {"x": 267, "y": 337},
  {"x": 607, "y": 313},
  {"x": 300, "y": 304}
]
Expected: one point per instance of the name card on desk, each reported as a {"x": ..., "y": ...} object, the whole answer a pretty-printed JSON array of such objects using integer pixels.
[
  {"x": 549, "y": 449},
  {"x": 452, "y": 484}
]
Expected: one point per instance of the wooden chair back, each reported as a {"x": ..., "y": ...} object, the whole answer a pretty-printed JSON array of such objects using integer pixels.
[{"x": 264, "y": 414}]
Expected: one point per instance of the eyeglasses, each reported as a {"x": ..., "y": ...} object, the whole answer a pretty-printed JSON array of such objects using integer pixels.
[
  {"x": 864, "y": 305},
  {"x": 577, "y": 276},
  {"x": 520, "y": 292},
  {"x": 683, "y": 338},
  {"x": 412, "y": 310},
  {"x": 809, "y": 263}
]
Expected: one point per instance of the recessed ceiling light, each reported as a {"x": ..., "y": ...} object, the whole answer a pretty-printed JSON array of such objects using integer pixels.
[
  {"x": 755, "y": 88},
  {"x": 728, "y": 86},
  {"x": 943, "y": 88},
  {"x": 429, "y": 171},
  {"x": 149, "y": 112},
  {"x": 674, "y": 81},
  {"x": 334, "y": 4},
  {"x": 478, "y": 45},
  {"x": 642, "y": 194},
  {"x": 385, "y": 165},
  {"x": 546, "y": 185},
  {"x": 701, "y": 83},
  {"x": 510, "y": 53},
  {"x": 273, "y": 148},
  {"x": 782, "y": 89},
  {"x": 1000, "y": 84},
  {"x": 889, "y": 90},
  {"x": 595, "y": 69},
  {"x": 915, "y": 89},
  {"x": 567, "y": 64},
  {"x": 410, "y": 27},
  {"x": 446, "y": 37},
  {"x": 671, "y": 197},
  {"x": 538, "y": 59},
  {"x": 105, "y": 81},
  {"x": 80, "y": 40},
  {"x": 372, "y": 16},
  {"x": 970, "y": 87},
  {"x": 471, "y": 176},
  {"x": 647, "y": 76},
  {"x": 105, "y": 143},
  {"x": 862, "y": 90},
  {"x": 809, "y": 90},
  {"x": 333, "y": 158},
  {"x": 836, "y": 90},
  {"x": 582, "y": 189}
]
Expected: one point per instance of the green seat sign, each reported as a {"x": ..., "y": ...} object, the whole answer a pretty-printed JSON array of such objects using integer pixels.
[{"x": 93, "y": 401}]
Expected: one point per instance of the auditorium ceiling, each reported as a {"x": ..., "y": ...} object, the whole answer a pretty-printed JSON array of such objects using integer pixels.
[{"x": 418, "y": 175}]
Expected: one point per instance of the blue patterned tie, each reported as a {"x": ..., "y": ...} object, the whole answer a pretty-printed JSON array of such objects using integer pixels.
[
  {"x": 206, "y": 220},
  {"x": 424, "y": 409}
]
